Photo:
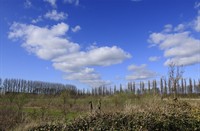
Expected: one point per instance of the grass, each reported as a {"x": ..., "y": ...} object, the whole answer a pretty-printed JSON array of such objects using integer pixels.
[
  {"x": 40, "y": 109},
  {"x": 156, "y": 115}
]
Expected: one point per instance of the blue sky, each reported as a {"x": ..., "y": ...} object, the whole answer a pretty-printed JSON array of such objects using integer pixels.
[{"x": 95, "y": 42}]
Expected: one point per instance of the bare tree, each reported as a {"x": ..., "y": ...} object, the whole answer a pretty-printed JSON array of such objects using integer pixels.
[
  {"x": 199, "y": 86},
  {"x": 161, "y": 86},
  {"x": 190, "y": 86},
  {"x": 1, "y": 85},
  {"x": 133, "y": 85},
  {"x": 165, "y": 86},
  {"x": 149, "y": 87},
  {"x": 175, "y": 74},
  {"x": 182, "y": 86}
]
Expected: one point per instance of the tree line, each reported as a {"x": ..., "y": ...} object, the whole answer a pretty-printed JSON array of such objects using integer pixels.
[
  {"x": 162, "y": 87},
  {"x": 34, "y": 87}
]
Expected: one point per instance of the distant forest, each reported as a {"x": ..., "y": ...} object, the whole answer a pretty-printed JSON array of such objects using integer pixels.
[
  {"x": 163, "y": 86},
  {"x": 34, "y": 87}
]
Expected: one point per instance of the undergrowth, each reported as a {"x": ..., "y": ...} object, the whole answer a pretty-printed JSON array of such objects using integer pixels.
[{"x": 173, "y": 116}]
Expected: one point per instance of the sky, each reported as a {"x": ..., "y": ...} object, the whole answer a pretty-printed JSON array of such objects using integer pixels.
[{"x": 89, "y": 43}]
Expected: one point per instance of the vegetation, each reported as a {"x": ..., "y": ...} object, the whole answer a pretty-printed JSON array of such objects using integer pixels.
[
  {"x": 33, "y": 105},
  {"x": 33, "y": 87},
  {"x": 122, "y": 111},
  {"x": 143, "y": 114}
]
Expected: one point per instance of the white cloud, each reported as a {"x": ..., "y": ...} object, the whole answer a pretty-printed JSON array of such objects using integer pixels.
[
  {"x": 197, "y": 22},
  {"x": 102, "y": 56},
  {"x": 168, "y": 28},
  {"x": 187, "y": 60},
  {"x": 135, "y": 67},
  {"x": 178, "y": 47},
  {"x": 50, "y": 43},
  {"x": 76, "y": 29},
  {"x": 154, "y": 58},
  {"x": 44, "y": 42},
  {"x": 88, "y": 76},
  {"x": 180, "y": 28},
  {"x": 54, "y": 15},
  {"x": 34, "y": 21},
  {"x": 179, "y": 44},
  {"x": 140, "y": 72},
  {"x": 27, "y": 4},
  {"x": 75, "y": 2},
  {"x": 52, "y": 2}
]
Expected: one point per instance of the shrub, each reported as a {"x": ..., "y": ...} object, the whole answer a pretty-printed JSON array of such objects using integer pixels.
[{"x": 172, "y": 116}]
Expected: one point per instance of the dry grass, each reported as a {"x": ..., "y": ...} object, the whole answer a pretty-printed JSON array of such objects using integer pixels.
[{"x": 39, "y": 110}]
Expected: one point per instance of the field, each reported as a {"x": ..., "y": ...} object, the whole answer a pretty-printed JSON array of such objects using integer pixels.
[
  {"x": 100, "y": 65},
  {"x": 120, "y": 111}
]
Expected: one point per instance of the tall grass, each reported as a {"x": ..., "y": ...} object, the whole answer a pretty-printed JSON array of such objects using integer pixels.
[{"x": 45, "y": 109}]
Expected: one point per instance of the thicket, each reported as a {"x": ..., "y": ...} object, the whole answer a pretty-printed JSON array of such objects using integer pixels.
[
  {"x": 24, "y": 111},
  {"x": 171, "y": 116}
]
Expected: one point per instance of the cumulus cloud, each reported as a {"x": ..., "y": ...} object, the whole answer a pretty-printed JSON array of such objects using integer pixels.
[
  {"x": 140, "y": 72},
  {"x": 54, "y": 15},
  {"x": 178, "y": 47},
  {"x": 44, "y": 42},
  {"x": 50, "y": 43},
  {"x": 75, "y": 2},
  {"x": 102, "y": 56},
  {"x": 76, "y": 29},
  {"x": 52, "y": 2},
  {"x": 179, "y": 43},
  {"x": 154, "y": 58}
]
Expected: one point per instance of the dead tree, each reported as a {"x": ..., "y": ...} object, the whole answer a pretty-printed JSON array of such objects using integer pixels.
[{"x": 175, "y": 74}]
